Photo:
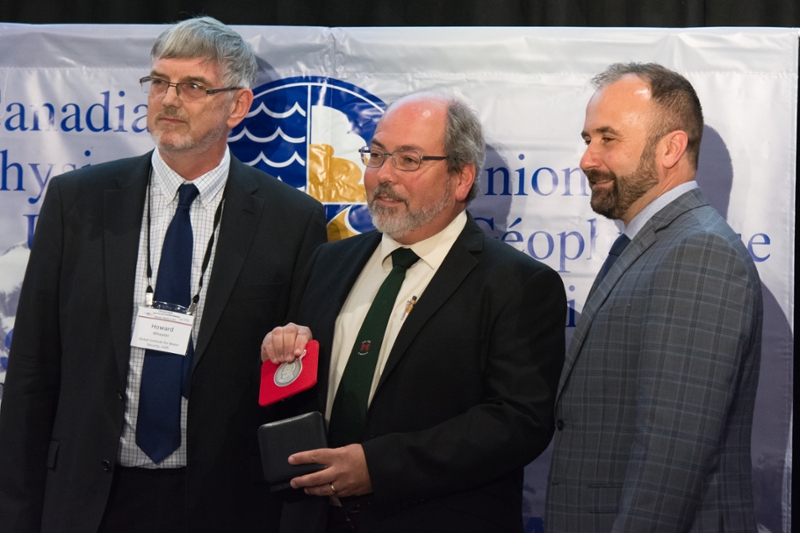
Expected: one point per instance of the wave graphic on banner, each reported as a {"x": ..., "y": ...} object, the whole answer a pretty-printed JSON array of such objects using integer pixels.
[{"x": 306, "y": 131}]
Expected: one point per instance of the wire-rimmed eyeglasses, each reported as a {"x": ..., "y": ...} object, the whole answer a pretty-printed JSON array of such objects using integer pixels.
[
  {"x": 186, "y": 90},
  {"x": 405, "y": 160}
]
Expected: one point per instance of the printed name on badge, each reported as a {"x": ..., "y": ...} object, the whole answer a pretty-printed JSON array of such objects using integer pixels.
[{"x": 162, "y": 330}]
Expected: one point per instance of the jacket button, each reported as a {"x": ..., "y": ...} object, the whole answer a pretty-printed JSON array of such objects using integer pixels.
[
  {"x": 106, "y": 465},
  {"x": 560, "y": 424},
  {"x": 119, "y": 395}
]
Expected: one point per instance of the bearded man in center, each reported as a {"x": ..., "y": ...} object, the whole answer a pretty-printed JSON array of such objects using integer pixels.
[{"x": 440, "y": 347}]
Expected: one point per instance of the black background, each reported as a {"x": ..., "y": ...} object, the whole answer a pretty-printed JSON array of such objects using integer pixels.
[{"x": 662, "y": 13}]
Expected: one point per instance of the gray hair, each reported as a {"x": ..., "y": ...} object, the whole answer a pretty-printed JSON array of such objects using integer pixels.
[
  {"x": 209, "y": 38},
  {"x": 463, "y": 141},
  {"x": 678, "y": 107}
]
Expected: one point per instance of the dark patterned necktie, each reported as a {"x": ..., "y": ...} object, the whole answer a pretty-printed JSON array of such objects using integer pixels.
[
  {"x": 349, "y": 412},
  {"x": 616, "y": 250},
  {"x": 158, "y": 426}
]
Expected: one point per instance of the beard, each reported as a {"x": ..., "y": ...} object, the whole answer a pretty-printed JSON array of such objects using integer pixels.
[
  {"x": 613, "y": 203},
  {"x": 398, "y": 221},
  {"x": 171, "y": 142}
]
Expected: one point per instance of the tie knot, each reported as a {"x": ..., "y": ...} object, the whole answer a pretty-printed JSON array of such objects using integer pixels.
[
  {"x": 404, "y": 257},
  {"x": 186, "y": 194},
  {"x": 619, "y": 245}
]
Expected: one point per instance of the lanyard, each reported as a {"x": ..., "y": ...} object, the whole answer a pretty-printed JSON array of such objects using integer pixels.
[{"x": 149, "y": 293}]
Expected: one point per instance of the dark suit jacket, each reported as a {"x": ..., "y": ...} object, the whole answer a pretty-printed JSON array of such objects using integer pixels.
[
  {"x": 655, "y": 403},
  {"x": 64, "y": 398},
  {"x": 465, "y": 399}
]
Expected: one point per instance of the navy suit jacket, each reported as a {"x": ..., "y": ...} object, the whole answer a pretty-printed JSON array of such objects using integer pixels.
[{"x": 64, "y": 397}]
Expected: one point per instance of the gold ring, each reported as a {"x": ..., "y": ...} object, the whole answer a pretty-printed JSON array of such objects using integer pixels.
[{"x": 333, "y": 489}]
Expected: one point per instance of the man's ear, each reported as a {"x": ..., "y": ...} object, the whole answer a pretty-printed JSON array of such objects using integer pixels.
[
  {"x": 239, "y": 107},
  {"x": 465, "y": 178},
  {"x": 672, "y": 147}
]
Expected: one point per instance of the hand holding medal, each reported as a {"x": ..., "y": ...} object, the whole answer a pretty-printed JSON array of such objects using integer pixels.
[{"x": 279, "y": 380}]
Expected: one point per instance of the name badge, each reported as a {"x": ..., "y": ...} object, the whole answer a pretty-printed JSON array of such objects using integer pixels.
[{"x": 162, "y": 330}]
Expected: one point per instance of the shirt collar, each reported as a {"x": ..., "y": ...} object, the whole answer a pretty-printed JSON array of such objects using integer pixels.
[
  {"x": 638, "y": 222},
  {"x": 209, "y": 184},
  {"x": 432, "y": 250}
]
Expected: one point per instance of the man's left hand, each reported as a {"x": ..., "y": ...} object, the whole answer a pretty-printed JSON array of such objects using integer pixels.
[{"x": 346, "y": 475}]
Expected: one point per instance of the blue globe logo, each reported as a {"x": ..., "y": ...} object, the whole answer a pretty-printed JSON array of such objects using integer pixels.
[{"x": 306, "y": 131}]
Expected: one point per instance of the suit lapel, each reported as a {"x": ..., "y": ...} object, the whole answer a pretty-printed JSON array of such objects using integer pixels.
[
  {"x": 340, "y": 282},
  {"x": 123, "y": 209},
  {"x": 458, "y": 263},
  {"x": 240, "y": 216},
  {"x": 599, "y": 293}
]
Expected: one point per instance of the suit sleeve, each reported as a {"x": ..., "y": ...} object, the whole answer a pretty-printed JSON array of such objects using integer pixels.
[
  {"x": 510, "y": 425},
  {"x": 315, "y": 234},
  {"x": 31, "y": 389},
  {"x": 700, "y": 341}
]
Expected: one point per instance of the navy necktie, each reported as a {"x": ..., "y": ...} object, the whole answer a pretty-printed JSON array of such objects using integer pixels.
[
  {"x": 616, "y": 250},
  {"x": 158, "y": 427}
]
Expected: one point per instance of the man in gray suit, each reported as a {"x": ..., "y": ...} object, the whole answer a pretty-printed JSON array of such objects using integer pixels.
[{"x": 655, "y": 403}]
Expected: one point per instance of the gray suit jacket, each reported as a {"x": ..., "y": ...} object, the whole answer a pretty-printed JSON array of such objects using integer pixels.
[{"x": 655, "y": 403}]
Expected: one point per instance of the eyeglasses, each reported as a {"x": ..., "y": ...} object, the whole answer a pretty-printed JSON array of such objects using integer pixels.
[
  {"x": 187, "y": 90},
  {"x": 406, "y": 160}
]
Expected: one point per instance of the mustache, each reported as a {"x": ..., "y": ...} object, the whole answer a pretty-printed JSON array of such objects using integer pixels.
[
  {"x": 594, "y": 175},
  {"x": 171, "y": 112},
  {"x": 387, "y": 191}
]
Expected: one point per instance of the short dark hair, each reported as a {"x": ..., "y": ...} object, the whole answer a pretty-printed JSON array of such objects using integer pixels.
[
  {"x": 677, "y": 102},
  {"x": 208, "y": 37}
]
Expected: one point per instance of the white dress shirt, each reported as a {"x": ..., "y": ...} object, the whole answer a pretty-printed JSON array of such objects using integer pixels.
[{"x": 431, "y": 252}]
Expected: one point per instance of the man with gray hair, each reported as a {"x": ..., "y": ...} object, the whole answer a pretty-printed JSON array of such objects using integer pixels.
[
  {"x": 655, "y": 405},
  {"x": 130, "y": 401},
  {"x": 440, "y": 348}
]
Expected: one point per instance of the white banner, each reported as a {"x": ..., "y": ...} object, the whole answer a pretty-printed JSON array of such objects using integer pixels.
[{"x": 69, "y": 97}]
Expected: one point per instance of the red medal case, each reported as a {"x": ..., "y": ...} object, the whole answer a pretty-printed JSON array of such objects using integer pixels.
[{"x": 287, "y": 379}]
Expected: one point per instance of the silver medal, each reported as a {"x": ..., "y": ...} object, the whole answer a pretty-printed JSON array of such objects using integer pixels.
[{"x": 287, "y": 373}]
